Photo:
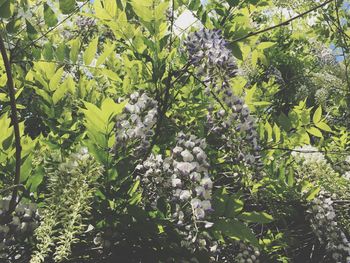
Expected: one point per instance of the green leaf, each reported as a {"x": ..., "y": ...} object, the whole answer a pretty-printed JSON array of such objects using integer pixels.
[
  {"x": 256, "y": 217},
  {"x": 67, "y": 86},
  {"x": 233, "y": 206},
  {"x": 265, "y": 45},
  {"x": 236, "y": 230},
  {"x": 160, "y": 10},
  {"x": 233, "y": 2},
  {"x": 74, "y": 51},
  {"x": 284, "y": 122},
  {"x": 143, "y": 9},
  {"x": 323, "y": 126},
  {"x": 312, "y": 194},
  {"x": 14, "y": 25},
  {"x": 255, "y": 56},
  {"x": 109, "y": 108},
  {"x": 111, "y": 75},
  {"x": 6, "y": 9},
  {"x": 105, "y": 10},
  {"x": 261, "y": 103},
  {"x": 30, "y": 28},
  {"x": 95, "y": 119},
  {"x": 90, "y": 51},
  {"x": 277, "y": 132},
  {"x": 314, "y": 131},
  {"x": 26, "y": 168},
  {"x": 268, "y": 129},
  {"x": 134, "y": 188},
  {"x": 317, "y": 115},
  {"x": 305, "y": 117},
  {"x": 67, "y": 6},
  {"x": 290, "y": 179},
  {"x": 35, "y": 180},
  {"x": 236, "y": 50},
  {"x": 106, "y": 53},
  {"x": 303, "y": 136},
  {"x": 55, "y": 80},
  {"x": 49, "y": 16}
]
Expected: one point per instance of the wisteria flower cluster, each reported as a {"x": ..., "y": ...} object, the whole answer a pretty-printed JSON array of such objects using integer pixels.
[
  {"x": 209, "y": 48},
  {"x": 71, "y": 186},
  {"x": 326, "y": 221},
  {"x": 323, "y": 222},
  {"x": 183, "y": 180},
  {"x": 209, "y": 53},
  {"x": 16, "y": 227},
  {"x": 136, "y": 124},
  {"x": 238, "y": 252},
  {"x": 237, "y": 131}
]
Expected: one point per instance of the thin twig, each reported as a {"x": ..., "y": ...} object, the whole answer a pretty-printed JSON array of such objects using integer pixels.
[
  {"x": 15, "y": 122},
  {"x": 305, "y": 151},
  {"x": 283, "y": 23}
]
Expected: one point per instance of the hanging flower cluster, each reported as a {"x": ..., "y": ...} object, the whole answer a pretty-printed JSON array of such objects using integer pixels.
[
  {"x": 16, "y": 228},
  {"x": 152, "y": 177},
  {"x": 71, "y": 186},
  {"x": 184, "y": 181},
  {"x": 326, "y": 222},
  {"x": 323, "y": 222},
  {"x": 209, "y": 54},
  {"x": 209, "y": 49},
  {"x": 238, "y": 252},
  {"x": 237, "y": 131},
  {"x": 135, "y": 125}
]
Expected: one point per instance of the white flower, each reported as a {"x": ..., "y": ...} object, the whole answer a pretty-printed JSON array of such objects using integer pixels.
[
  {"x": 196, "y": 203},
  {"x": 199, "y": 213},
  {"x": 208, "y": 224},
  {"x": 194, "y": 176},
  {"x": 207, "y": 194},
  {"x": 207, "y": 183},
  {"x": 185, "y": 194},
  {"x": 177, "y": 150},
  {"x": 187, "y": 156},
  {"x": 176, "y": 182},
  {"x": 206, "y": 205},
  {"x": 185, "y": 167},
  {"x": 200, "y": 190}
]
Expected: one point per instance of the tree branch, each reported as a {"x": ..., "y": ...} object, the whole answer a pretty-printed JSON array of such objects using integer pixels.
[
  {"x": 283, "y": 23},
  {"x": 15, "y": 123},
  {"x": 306, "y": 151}
]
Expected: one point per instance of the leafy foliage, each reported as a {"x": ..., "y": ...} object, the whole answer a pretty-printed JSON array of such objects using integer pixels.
[{"x": 141, "y": 140}]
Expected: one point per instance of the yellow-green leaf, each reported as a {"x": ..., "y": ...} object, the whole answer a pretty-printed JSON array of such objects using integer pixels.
[
  {"x": 106, "y": 53},
  {"x": 265, "y": 45},
  {"x": 314, "y": 131},
  {"x": 317, "y": 115},
  {"x": 90, "y": 51},
  {"x": 323, "y": 126},
  {"x": 74, "y": 51},
  {"x": 55, "y": 80}
]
